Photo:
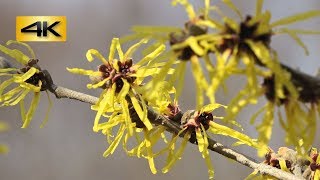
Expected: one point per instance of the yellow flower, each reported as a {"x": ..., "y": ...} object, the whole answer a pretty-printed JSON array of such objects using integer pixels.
[
  {"x": 122, "y": 101},
  {"x": 29, "y": 79},
  {"x": 184, "y": 47},
  {"x": 144, "y": 142},
  {"x": 232, "y": 43},
  {"x": 249, "y": 42},
  {"x": 120, "y": 80},
  {"x": 285, "y": 159},
  {"x": 195, "y": 127}
]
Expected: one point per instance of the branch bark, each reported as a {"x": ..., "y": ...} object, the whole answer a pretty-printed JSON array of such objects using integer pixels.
[{"x": 174, "y": 127}]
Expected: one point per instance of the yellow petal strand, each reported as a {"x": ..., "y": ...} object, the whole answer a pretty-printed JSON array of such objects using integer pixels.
[
  {"x": 118, "y": 47},
  {"x": 133, "y": 48},
  {"x": 155, "y": 29},
  {"x": 252, "y": 176},
  {"x": 142, "y": 115},
  {"x": 281, "y": 76},
  {"x": 309, "y": 131},
  {"x": 33, "y": 106},
  {"x": 124, "y": 144},
  {"x": 187, "y": 6},
  {"x": 156, "y": 82},
  {"x": 5, "y": 84},
  {"x": 295, "y": 37},
  {"x": 170, "y": 147},
  {"x": 179, "y": 153},
  {"x": 158, "y": 133},
  {"x": 140, "y": 149},
  {"x": 8, "y": 70},
  {"x": 163, "y": 136},
  {"x": 44, "y": 122},
  {"x": 296, "y": 18},
  {"x": 218, "y": 77},
  {"x": 84, "y": 72},
  {"x": 22, "y": 110},
  {"x": 184, "y": 143},
  {"x": 201, "y": 82},
  {"x": 97, "y": 85},
  {"x": 30, "y": 86},
  {"x": 149, "y": 152},
  {"x": 259, "y": 5},
  {"x": 112, "y": 95},
  {"x": 194, "y": 45},
  {"x": 232, "y": 6},
  {"x": 265, "y": 128},
  {"x": 93, "y": 52},
  {"x": 317, "y": 174},
  {"x": 232, "y": 23},
  {"x": 297, "y": 31},
  {"x": 125, "y": 89},
  {"x": 256, "y": 114},
  {"x": 179, "y": 76},
  {"x": 10, "y": 94},
  {"x": 210, "y": 107},
  {"x": 283, "y": 165},
  {"x": 127, "y": 117},
  {"x": 205, "y": 154},
  {"x": 206, "y": 8},
  {"x": 102, "y": 105},
  {"x": 21, "y": 96},
  {"x": 116, "y": 141},
  {"x": 16, "y": 54},
  {"x": 200, "y": 140},
  {"x": 33, "y": 56},
  {"x": 26, "y": 75},
  {"x": 113, "y": 47},
  {"x": 152, "y": 55},
  {"x": 226, "y": 131},
  {"x": 96, "y": 106}
]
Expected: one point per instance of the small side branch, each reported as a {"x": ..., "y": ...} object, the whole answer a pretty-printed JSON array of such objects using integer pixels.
[{"x": 62, "y": 92}]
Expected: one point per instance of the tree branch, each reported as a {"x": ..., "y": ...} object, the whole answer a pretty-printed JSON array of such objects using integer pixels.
[{"x": 174, "y": 127}]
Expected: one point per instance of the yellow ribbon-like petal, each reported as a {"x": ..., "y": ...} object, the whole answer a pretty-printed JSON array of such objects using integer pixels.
[
  {"x": 149, "y": 152},
  {"x": 93, "y": 52},
  {"x": 116, "y": 141},
  {"x": 15, "y": 54},
  {"x": 133, "y": 48},
  {"x": 296, "y": 18},
  {"x": 226, "y": 131},
  {"x": 32, "y": 109}
]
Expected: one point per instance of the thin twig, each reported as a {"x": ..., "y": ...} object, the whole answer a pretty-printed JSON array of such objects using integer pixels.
[{"x": 173, "y": 127}]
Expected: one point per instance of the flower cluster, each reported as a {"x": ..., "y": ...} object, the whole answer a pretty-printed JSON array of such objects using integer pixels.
[
  {"x": 285, "y": 159},
  {"x": 238, "y": 49},
  {"x": 290, "y": 161},
  {"x": 195, "y": 125},
  {"x": 132, "y": 91},
  {"x": 121, "y": 101},
  {"x": 29, "y": 79}
]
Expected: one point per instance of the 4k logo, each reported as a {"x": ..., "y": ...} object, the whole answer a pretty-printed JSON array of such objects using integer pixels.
[{"x": 41, "y": 28}]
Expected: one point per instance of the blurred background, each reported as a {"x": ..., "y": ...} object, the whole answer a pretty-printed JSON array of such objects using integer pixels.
[{"x": 67, "y": 148}]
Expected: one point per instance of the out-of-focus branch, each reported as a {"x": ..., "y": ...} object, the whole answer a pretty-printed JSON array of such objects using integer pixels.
[
  {"x": 174, "y": 127},
  {"x": 308, "y": 86}
]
